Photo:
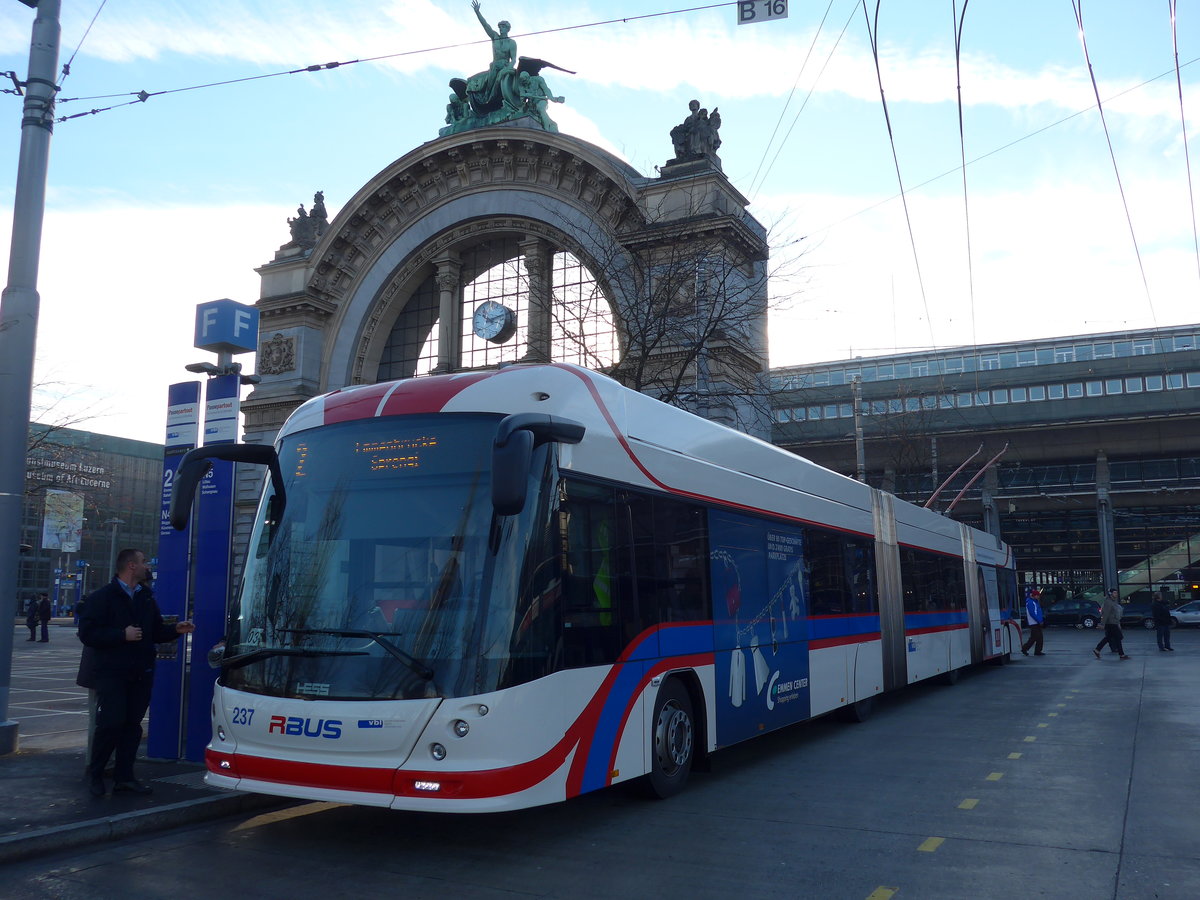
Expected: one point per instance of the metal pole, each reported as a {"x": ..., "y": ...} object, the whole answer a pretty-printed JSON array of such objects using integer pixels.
[
  {"x": 18, "y": 320},
  {"x": 860, "y": 455}
]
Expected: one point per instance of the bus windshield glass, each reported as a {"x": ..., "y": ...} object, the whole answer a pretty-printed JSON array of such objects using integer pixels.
[{"x": 373, "y": 583}]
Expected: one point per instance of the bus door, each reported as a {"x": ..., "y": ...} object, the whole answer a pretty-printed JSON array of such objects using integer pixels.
[{"x": 990, "y": 633}]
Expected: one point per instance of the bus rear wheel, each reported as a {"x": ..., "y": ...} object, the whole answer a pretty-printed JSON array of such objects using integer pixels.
[{"x": 672, "y": 742}]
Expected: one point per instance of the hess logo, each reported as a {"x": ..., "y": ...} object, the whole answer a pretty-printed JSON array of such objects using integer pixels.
[{"x": 330, "y": 729}]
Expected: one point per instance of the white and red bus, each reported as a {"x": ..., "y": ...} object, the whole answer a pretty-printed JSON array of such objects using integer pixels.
[{"x": 499, "y": 589}]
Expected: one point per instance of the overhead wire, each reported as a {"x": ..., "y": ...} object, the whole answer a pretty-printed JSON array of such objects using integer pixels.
[
  {"x": 1000, "y": 149},
  {"x": 787, "y": 102},
  {"x": 873, "y": 35},
  {"x": 1077, "y": 6},
  {"x": 807, "y": 97},
  {"x": 143, "y": 95},
  {"x": 959, "y": 21},
  {"x": 1187, "y": 160},
  {"x": 66, "y": 69}
]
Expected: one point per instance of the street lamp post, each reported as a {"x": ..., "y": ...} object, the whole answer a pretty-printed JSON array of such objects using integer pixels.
[{"x": 113, "y": 523}]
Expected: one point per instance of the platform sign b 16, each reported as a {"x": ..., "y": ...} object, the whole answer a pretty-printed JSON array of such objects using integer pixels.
[{"x": 751, "y": 11}]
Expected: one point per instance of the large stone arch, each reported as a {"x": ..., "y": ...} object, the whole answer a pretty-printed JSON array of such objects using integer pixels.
[{"x": 326, "y": 309}]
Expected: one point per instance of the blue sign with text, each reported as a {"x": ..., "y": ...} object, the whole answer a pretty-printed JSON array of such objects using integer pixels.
[
  {"x": 224, "y": 326},
  {"x": 171, "y": 584}
]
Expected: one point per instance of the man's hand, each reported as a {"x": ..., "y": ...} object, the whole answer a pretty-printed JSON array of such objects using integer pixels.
[
  {"x": 184, "y": 627},
  {"x": 133, "y": 633}
]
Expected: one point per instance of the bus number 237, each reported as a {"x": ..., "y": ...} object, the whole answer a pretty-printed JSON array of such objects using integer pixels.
[{"x": 242, "y": 716}]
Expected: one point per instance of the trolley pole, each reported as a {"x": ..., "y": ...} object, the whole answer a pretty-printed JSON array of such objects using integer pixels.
[{"x": 18, "y": 324}]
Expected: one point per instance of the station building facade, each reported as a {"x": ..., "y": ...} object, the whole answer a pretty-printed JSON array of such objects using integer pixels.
[
  {"x": 86, "y": 494},
  {"x": 1099, "y": 478}
]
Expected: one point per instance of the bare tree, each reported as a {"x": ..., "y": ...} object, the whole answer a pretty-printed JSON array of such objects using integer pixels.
[{"x": 686, "y": 309}]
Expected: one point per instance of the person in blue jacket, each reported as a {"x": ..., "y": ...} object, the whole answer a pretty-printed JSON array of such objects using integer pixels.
[{"x": 1033, "y": 612}]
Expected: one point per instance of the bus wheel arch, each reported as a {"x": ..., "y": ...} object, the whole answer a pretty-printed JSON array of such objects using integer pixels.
[{"x": 674, "y": 735}]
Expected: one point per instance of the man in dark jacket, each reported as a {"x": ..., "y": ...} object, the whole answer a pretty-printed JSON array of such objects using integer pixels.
[
  {"x": 122, "y": 623},
  {"x": 44, "y": 616},
  {"x": 31, "y": 617},
  {"x": 1161, "y": 608}
]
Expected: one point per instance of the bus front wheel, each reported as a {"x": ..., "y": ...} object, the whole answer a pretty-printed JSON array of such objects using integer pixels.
[{"x": 673, "y": 740}]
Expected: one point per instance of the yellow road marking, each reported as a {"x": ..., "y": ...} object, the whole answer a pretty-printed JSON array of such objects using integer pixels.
[
  {"x": 1030, "y": 739},
  {"x": 1051, "y": 715},
  {"x": 1043, "y": 724},
  {"x": 968, "y": 804},
  {"x": 1014, "y": 756},
  {"x": 882, "y": 893},
  {"x": 995, "y": 776},
  {"x": 930, "y": 844},
  {"x": 1062, "y": 704},
  {"x": 283, "y": 815}
]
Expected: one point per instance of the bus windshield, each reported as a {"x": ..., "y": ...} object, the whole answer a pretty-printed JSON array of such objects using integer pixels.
[{"x": 374, "y": 583}]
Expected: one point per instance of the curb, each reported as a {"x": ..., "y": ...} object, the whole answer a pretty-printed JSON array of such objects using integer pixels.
[{"x": 45, "y": 841}]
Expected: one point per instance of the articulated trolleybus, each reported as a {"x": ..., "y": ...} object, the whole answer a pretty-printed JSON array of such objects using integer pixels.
[{"x": 493, "y": 590}]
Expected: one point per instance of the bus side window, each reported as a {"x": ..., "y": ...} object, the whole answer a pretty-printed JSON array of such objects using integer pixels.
[
  {"x": 827, "y": 574},
  {"x": 595, "y": 575},
  {"x": 670, "y": 552}
]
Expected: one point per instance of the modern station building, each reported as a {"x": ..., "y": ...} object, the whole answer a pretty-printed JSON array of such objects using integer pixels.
[
  {"x": 1095, "y": 437},
  {"x": 87, "y": 495}
]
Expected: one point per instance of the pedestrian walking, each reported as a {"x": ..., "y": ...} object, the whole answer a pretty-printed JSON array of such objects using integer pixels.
[
  {"x": 1037, "y": 619},
  {"x": 44, "y": 618},
  {"x": 31, "y": 617},
  {"x": 1110, "y": 617},
  {"x": 121, "y": 622},
  {"x": 1161, "y": 610}
]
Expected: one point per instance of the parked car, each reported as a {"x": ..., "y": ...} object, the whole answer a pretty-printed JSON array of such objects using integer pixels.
[
  {"x": 1138, "y": 614},
  {"x": 1188, "y": 614},
  {"x": 1080, "y": 613}
]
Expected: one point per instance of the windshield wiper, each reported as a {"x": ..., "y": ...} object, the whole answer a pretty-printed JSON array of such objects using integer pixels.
[
  {"x": 379, "y": 637},
  {"x": 253, "y": 656}
]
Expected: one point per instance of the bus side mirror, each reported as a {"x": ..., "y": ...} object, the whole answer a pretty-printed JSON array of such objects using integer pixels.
[
  {"x": 196, "y": 463},
  {"x": 510, "y": 473},
  {"x": 512, "y": 453}
]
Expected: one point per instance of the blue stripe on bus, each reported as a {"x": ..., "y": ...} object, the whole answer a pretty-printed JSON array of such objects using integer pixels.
[
  {"x": 841, "y": 626},
  {"x": 669, "y": 640},
  {"x": 934, "y": 619}
]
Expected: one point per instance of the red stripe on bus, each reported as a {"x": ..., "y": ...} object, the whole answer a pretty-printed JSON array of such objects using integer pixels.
[
  {"x": 463, "y": 785},
  {"x": 844, "y": 640},
  {"x": 429, "y": 395},
  {"x": 356, "y": 403},
  {"x": 936, "y": 628},
  {"x": 700, "y": 659},
  {"x": 679, "y": 492}
]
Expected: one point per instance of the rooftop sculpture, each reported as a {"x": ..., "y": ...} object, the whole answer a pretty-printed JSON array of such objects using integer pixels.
[
  {"x": 510, "y": 88},
  {"x": 696, "y": 137}
]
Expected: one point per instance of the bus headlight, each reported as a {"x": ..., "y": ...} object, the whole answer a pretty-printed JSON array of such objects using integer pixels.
[
  {"x": 461, "y": 728},
  {"x": 437, "y": 751}
]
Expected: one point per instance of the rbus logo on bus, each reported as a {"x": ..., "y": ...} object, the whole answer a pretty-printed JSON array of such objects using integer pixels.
[{"x": 330, "y": 729}]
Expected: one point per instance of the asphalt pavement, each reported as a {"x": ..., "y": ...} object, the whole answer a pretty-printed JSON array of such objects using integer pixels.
[
  {"x": 1076, "y": 774},
  {"x": 45, "y": 805}
]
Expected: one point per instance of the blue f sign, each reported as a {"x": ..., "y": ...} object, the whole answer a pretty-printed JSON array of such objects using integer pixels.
[{"x": 223, "y": 326}]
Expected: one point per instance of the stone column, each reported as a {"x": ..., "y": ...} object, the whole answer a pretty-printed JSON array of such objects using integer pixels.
[
  {"x": 539, "y": 257},
  {"x": 1104, "y": 522},
  {"x": 449, "y": 282}
]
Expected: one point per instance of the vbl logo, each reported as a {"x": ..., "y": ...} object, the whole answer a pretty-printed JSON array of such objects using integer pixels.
[{"x": 298, "y": 727}]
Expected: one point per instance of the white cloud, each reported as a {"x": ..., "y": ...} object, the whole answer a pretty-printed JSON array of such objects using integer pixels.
[{"x": 119, "y": 288}]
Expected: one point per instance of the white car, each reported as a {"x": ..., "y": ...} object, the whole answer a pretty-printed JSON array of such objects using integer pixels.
[{"x": 1188, "y": 614}]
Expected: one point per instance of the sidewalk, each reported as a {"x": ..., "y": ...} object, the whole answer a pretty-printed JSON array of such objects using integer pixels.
[{"x": 43, "y": 792}]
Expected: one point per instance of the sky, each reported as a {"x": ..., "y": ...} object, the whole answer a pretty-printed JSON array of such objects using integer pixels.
[{"x": 156, "y": 207}]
